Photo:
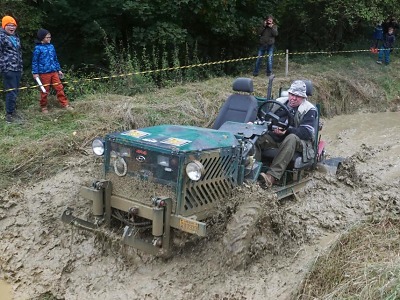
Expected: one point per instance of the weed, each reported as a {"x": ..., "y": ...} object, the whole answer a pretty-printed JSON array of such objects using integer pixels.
[{"x": 363, "y": 264}]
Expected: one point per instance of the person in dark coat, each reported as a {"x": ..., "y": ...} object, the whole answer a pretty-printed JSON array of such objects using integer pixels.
[
  {"x": 387, "y": 47},
  {"x": 10, "y": 66},
  {"x": 267, "y": 33}
]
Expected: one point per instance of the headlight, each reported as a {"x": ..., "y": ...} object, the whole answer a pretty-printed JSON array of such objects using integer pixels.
[
  {"x": 98, "y": 147},
  {"x": 194, "y": 170},
  {"x": 120, "y": 167}
]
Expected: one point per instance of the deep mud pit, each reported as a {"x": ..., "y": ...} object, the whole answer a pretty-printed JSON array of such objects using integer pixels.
[{"x": 39, "y": 254}]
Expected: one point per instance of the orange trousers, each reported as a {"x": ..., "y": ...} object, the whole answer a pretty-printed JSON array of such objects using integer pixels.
[{"x": 52, "y": 80}]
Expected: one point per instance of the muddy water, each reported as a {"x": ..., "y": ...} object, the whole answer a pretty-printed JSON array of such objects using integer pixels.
[
  {"x": 348, "y": 132},
  {"x": 5, "y": 291}
]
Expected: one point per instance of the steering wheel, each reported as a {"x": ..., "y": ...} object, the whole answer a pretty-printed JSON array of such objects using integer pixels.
[{"x": 265, "y": 114}]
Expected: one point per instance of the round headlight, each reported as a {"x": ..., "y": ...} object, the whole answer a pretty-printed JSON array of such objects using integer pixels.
[
  {"x": 98, "y": 147},
  {"x": 194, "y": 170},
  {"x": 120, "y": 167}
]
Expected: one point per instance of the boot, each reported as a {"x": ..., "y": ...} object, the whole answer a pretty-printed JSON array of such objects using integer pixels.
[{"x": 267, "y": 180}]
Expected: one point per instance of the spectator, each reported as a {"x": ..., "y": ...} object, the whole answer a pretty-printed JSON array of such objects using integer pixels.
[
  {"x": 267, "y": 33},
  {"x": 377, "y": 37},
  {"x": 10, "y": 66},
  {"x": 388, "y": 43},
  {"x": 45, "y": 65}
]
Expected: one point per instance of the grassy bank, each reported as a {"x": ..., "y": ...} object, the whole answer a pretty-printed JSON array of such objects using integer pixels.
[{"x": 363, "y": 264}]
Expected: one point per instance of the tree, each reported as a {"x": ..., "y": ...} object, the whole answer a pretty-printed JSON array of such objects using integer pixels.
[
  {"x": 220, "y": 28},
  {"x": 322, "y": 24},
  {"x": 28, "y": 17}
]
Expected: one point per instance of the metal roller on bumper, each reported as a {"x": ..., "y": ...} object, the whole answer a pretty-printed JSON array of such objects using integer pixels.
[{"x": 160, "y": 245}]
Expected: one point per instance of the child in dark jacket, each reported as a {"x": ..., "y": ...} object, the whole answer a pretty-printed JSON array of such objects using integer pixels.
[
  {"x": 45, "y": 65},
  {"x": 388, "y": 43}
]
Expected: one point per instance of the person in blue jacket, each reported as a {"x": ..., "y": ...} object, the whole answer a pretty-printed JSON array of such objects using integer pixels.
[
  {"x": 45, "y": 66},
  {"x": 377, "y": 36}
]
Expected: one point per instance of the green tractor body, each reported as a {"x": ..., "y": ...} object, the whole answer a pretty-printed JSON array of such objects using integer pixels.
[
  {"x": 147, "y": 181},
  {"x": 170, "y": 177}
]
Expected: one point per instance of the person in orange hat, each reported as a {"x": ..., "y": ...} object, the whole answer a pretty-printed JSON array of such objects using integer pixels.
[
  {"x": 10, "y": 66},
  {"x": 8, "y": 20}
]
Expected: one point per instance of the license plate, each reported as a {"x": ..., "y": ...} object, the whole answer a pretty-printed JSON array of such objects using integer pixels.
[{"x": 188, "y": 226}]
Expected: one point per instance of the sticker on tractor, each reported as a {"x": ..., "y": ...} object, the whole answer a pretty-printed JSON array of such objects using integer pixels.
[
  {"x": 135, "y": 133},
  {"x": 188, "y": 226},
  {"x": 175, "y": 142}
]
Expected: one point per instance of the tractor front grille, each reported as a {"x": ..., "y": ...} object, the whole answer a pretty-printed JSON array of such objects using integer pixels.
[
  {"x": 217, "y": 183},
  {"x": 140, "y": 190}
]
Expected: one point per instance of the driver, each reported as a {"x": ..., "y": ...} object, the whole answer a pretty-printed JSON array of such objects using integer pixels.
[{"x": 298, "y": 135}]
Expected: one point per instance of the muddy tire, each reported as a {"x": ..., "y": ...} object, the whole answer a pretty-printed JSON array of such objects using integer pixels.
[{"x": 239, "y": 234}]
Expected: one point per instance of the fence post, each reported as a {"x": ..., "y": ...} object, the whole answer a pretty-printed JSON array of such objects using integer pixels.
[{"x": 287, "y": 63}]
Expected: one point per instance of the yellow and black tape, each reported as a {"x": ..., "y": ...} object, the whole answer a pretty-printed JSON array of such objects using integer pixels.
[{"x": 187, "y": 67}]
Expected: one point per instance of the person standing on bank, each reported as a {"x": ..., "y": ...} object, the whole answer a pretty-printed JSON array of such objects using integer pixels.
[
  {"x": 10, "y": 65},
  {"x": 387, "y": 47},
  {"x": 267, "y": 33},
  {"x": 377, "y": 37},
  {"x": 45, "y": 65}
]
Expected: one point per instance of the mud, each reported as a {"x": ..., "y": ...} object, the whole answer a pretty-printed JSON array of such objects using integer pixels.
[
  {"x": 5, "y": 290},
  {"x": 39, "y": 254}
]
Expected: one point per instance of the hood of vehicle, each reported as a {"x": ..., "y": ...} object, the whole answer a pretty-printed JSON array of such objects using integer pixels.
[{"x": 176, "y": 138}]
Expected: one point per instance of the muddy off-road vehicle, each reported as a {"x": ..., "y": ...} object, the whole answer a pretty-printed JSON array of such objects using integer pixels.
[{"x": 169, "y": 177}]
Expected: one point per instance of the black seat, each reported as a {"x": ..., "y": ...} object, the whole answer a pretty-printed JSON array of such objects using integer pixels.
[
  {"x": 297, "y": 160},
  {"x": 239, "y": 107}
]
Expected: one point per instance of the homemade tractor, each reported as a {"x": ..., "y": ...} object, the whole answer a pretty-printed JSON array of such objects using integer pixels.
[{"x": 169, "y": 177}]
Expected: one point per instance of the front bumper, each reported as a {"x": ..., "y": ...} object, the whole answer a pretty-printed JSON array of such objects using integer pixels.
[{"x": 159, "y": 213}]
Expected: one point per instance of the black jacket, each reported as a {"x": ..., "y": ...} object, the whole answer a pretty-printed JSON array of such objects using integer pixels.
[
  {"x": 267, "y": 35},
  {"x": 388, "y": 40}
]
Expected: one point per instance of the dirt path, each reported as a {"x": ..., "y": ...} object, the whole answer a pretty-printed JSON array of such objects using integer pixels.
[{"x": 39, "y": 254}]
